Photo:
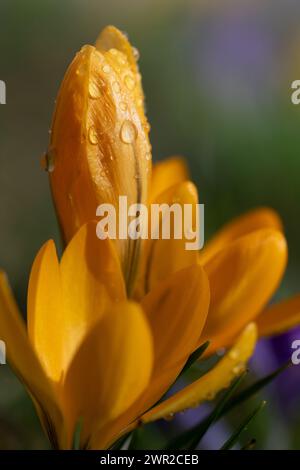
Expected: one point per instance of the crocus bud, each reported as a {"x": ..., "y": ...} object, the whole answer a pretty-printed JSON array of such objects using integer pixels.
[{"x": 99, "y": 147}]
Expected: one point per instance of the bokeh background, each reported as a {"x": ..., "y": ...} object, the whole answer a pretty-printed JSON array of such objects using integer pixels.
[{"x": 217, "y": 76}]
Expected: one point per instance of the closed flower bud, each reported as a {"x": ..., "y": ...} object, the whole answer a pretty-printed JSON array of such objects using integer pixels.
[{"x": 99, "y": 148}]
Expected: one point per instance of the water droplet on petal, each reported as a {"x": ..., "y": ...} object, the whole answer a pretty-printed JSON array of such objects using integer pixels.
[
  {"x": 116, "y": 87},
  {"x": 123, "y": 106},
  {"x": 128, "y": 133},
  {"x": 93, "y": 137},
  {"x": 147, "y": 126},
  {"x": 48, "y": 161},
  {"x": 233, "y": 354},
  {"x": 113, "y": 51},
  {"x": 238, "y": 369},
  {"x": 136, "y": 53},
  {"x": 148, "y": 156},
  {"x": 221, "y": 351},
  {"x": 94, "y": 91},
  {"x": 121, "y": 59},
  {"x": 129, "y": 82},
  {"x": 210, "y": 395},
  {"x": 106, "y": 68},
  {"x": 169, "y": 417}
]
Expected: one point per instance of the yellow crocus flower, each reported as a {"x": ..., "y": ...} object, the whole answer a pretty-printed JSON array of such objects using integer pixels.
[{"x": 111, "y": 325}]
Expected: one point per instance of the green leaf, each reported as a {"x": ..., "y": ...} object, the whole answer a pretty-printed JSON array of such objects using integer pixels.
[
  {"x": 120, "y": 442},
  {"x": 191, "y": 438},
  {"x": 253, "y": 389},
  {"x": 235, "y": 436},
  {"x": 195, "y": 356},
  {"x": 135, "y": 439},
  {"x": 77, "y": 433},
  {"x": 186, "y": 437}
]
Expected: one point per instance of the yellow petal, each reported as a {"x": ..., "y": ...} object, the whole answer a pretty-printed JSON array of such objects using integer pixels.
[
  {"x": 91, "y": 278},
  {"x": 243, "y": 277},
  {"x": 103, "y": 151},
  {"x": 114, "y": 41},
  {"x": 45, "y": 310},
  {"x": 279, "y": 317},
  {"x": 26, "y": 365},
  {"x": 110, "y": 369},
  {"x": 167, "y": 173},
  {"x": 251, "y": 221},
  {"x": 176, "y": 310},
  {"x": 206, "y": 388},
  {"x": 163, "y": 257},
  {"x": 65, "y": 301}
]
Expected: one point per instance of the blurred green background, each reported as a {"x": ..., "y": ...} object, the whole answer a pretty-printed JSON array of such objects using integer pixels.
[{"x": 217, "y": 77}]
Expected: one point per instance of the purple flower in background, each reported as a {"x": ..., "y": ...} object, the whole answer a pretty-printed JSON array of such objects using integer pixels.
[
  {"x": 271, "y": 354},
  {"x": 236, "y": 56}
]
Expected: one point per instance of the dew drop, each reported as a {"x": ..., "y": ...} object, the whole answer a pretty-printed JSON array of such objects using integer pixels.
[
  {"x": 147, "y": 126},
  {"x": 48, "y": 161},
  {"x": 148, "y": 156},
  {"x": 128, "y": 133},
  {"x": 123, "y": 106},
  {"x": 238, "y": 368},
  {"x": 221, "y": 352},
  {"x": 233, "y": 354},
  {"x": 169, "y": 417},
  {"x": 113, "y": 51},
  {"x": 121, "y": 59},
  {"x": 93, "y": 138},
  {"x": 94, "y": 91},
  {"x": 116, "y": 87},
  {"x": 129, "y": 82},
  {"x": 106, "y": 68},
  {"x": 136, "y": 53}
]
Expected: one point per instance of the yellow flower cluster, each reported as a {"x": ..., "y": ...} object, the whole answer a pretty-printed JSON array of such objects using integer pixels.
[{"x": 111, "y": 325}]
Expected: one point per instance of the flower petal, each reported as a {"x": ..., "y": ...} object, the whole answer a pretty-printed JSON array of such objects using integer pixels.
[
  {"x": 110, "y": 369},
  {"x": 176, "y": 310},
  {"x": 251, "y": 221},
  {"x": 279, "y": 317},
  {"x": 26, "y": 365},
  {"x": 104, "y": 151},
  {"x": 45, "y": 310},
  {"x": 243, "y": 277},
  {"x": 114, "y": 41},
  {"x": 167, "y": 173},
  {"x": 163, "y": 257},
  {"x": 65, "y": 301},
  {"x": 206, "y": 388},
  {"x": 89, "y": 271}
]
